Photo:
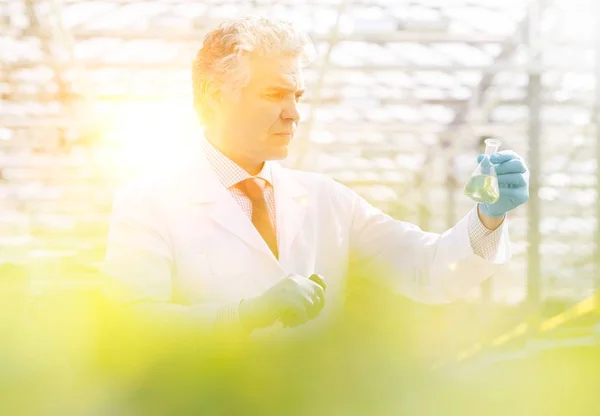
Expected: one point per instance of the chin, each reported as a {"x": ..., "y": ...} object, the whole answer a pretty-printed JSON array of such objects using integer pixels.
[{"x": 278, "y": 153}]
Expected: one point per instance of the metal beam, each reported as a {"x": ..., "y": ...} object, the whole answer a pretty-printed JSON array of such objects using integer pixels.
[
  {"x": 333, "y": 36},
  {"x": 57, "y": 69},
  {"x": 563, "y": 67},
  {"x": 533, "y": 206},
  {"x": 195, "y": 36},
  {"x": 422, "y": 183},
  {"x": 451, "y": 186},
  {"x": 362, "y": 127},
  {"x": 44, "y": 97},
  {"x": 597, "y": 125},
  {"x": 508, "y": 49}
]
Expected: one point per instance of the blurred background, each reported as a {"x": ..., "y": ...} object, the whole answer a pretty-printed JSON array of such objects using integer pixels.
[{"x": 398, "y": 104}]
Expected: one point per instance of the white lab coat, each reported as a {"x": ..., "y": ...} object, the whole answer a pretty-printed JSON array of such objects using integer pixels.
[{"x": 182, "y": 242}]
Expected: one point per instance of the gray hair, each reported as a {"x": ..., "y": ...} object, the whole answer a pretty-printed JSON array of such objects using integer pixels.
[{"x": 222, "y": 64}]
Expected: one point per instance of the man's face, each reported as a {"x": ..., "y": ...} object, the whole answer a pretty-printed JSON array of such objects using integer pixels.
[{"x": 261, "y": 124}]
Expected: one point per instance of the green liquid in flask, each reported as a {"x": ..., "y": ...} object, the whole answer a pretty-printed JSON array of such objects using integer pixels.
[{"x": 483, "y": 188}]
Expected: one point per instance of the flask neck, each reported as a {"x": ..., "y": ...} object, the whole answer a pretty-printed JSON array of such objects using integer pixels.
[
  {"x": 489, "y": 149},
  {"x": 491, "y": 146}
]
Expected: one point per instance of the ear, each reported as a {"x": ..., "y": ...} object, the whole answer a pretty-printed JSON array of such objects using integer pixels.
[
  {"x": 213, "y": 99},
  {"x": 207, "y": 104}
]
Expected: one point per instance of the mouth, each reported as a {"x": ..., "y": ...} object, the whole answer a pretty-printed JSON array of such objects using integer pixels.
[{"x": 284, "y": 136}]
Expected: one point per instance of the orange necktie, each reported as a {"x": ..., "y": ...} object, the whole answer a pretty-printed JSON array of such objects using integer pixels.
[{"x": 254, "y": 188}]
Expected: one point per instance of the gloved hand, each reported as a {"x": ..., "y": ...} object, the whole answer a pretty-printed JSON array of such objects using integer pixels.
[
  {"x": 289, "y": 317},
  {"x": 295, "y": 299},
  {"x": 513, "y": 183}
]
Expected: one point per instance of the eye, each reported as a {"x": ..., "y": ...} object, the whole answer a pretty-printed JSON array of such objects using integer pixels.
[
  {"x": 298, "y": 97},
  {"x": 276, "y": 96}
]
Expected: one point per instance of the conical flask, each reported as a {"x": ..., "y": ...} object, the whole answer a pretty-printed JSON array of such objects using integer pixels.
[{"x": 483, "y": 184}]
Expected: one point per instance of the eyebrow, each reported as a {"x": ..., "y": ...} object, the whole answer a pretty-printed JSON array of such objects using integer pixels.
[{"x": 285, "y": 89}]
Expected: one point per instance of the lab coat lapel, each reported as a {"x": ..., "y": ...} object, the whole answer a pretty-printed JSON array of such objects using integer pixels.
[
  {"x": 207, "y": 191},
  {"x": 290, "y": 205}
]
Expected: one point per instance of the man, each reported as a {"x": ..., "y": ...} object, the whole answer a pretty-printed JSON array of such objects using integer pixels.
[{"x": 230, "y": 239}]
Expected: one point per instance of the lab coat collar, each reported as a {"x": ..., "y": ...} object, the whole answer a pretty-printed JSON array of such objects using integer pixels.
[{"x": 206, "y": 189}]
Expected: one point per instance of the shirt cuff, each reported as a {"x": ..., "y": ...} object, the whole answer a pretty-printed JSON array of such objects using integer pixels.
[
  {"x": 484, "y": 242},
  {"x": 228, "y": 317}
]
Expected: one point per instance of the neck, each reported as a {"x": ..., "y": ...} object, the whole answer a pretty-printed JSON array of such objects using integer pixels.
[{"x": 253, "y": 168}]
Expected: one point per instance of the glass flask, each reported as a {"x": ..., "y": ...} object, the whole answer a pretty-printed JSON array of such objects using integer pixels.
[{"x": 483, "y": 183}]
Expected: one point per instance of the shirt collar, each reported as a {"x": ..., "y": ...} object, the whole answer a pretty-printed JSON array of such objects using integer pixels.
[{"x": 229, "y": 172}]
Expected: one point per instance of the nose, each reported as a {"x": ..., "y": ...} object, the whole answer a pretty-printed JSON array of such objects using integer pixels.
[{"x": 290, "y": 111}]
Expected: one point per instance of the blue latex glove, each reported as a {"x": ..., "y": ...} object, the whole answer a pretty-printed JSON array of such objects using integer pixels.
[{"x": 513, "y": 183}]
